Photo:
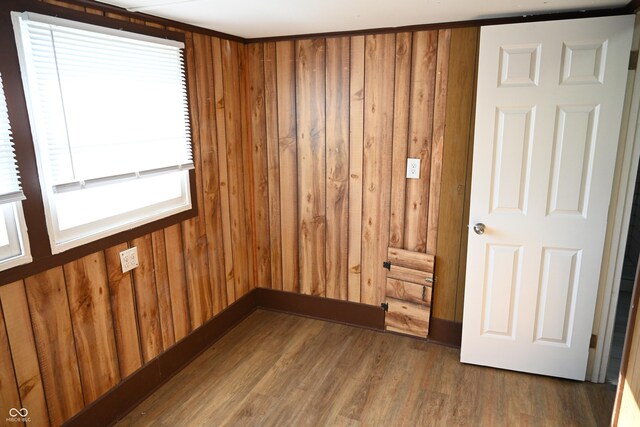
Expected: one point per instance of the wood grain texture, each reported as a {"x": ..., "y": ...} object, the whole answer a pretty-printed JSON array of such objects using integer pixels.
[
  {"x": 310, "y": 107},
  {"x": 123, "y": 311},
  {"x": 235, "y": 165},
  {"x": 364, "y": 98},
  {"x": 193, "y": 230},
  {"x": 357, "y": 377},
  {"x": 407, "y": 291},
  {"x": 23, "y": 351},
  {"x": 409, "y": 259},
  {"x": 407, "y": 318},
  {"x": 177, "y": 282},
  {"x": 423, "y": 79},
  {"x": 51, "y": 320},
  {"x": 437, "y": 141},
  {"x": 378, "y": 134},
  {"x": 410, "y": 275},
  {"x": 455, "y": 173},
  {"x": 287, "y": 134},
  {"x": 147, "y": 300},
  {"x": 402, "y": 94},
  {"x": 161, "y": 275},
  {"x": 9, "y": 396},
  {"x": 227, "y": 235},
  {"x": 247, "y": 159},
  {"x": 273, "y": 162},
  {"x": 259, "y": 150},
  {"x": 208, "y": 156},
  {"x": 356, "y": 148},
  {"x": 337, "y": 167},
  {"x": 90, "y": 306}
]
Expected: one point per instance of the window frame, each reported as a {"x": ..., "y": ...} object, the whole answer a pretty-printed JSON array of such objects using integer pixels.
[{"x": 33, "y": 207}]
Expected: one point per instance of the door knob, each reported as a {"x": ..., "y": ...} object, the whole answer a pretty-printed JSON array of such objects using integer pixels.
[{"x": 478, "y": 228}]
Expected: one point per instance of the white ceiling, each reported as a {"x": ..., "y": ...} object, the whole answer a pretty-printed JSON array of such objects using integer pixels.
[{"x": 268, "y": 18}]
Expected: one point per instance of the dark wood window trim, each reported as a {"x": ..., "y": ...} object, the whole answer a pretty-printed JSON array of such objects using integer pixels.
[{"x": 33, "y": 206}]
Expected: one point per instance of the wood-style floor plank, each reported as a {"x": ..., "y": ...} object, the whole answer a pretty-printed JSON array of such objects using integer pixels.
[{"x": 275, "y": 369}]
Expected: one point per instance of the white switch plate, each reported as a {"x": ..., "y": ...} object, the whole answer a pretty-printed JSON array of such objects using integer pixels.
[
  {"x": 129, "y": 259},
  {"x": 413, "y": 168}
]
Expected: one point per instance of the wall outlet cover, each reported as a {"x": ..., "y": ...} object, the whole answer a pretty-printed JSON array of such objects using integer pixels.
[
  {"x": 129, "y": 259},
  {"x": 413, "y": 168}
]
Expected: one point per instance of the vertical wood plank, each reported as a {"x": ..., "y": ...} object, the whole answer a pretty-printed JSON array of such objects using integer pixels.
[
  {"x": 437, "y": 142},
  {"x": 235, "y": 165},
  {"x": 209, "y": 157},
  {"x": 378, "y": 134},
  {"x": 451, "y": 227},
  {"x": 287, "y": 132},
  {"x": 402, "y": 95},
  {"x": 356, "y": 144},
  {"x": 88, "y": 292},
  {"x": 177, "y": 282},
  {"x": 9, "y": 396},
  {"x": 123, "y": 311},
  {"x": 49, "y": 309},
  {"x": 161, "y": 276},
  {"x": 247, "y": 160},
  {"x": 337, "y": 166},
  {"x": 310, "y": 107},
  {"x": 193, "y": 231},
  {"x": 147, "y": 300},
  {"x": 423, "y": 78},
  {"x": 260, "y": 184},
  {"x": 273, "y": 162},
  {"x": 462, "y": 265},
  {"x": 223, "y": 174},
  {"x": 23, "y": 350}
]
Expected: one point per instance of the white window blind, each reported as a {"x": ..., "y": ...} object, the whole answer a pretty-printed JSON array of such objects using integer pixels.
[
  {"x": 14, "y": 247},
  {"x": 10, "y": 190},
  {"x": 110, "y": 120},
  {"x": 107, "y": 105}
]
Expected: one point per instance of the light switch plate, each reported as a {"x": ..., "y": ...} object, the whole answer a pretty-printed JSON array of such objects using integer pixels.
[
  {"x": 129, "y": 259},
  {"x": 413, "y": 168}
]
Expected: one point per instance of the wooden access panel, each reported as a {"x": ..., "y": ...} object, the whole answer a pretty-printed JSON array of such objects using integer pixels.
[{"x": 408, "y": 291}]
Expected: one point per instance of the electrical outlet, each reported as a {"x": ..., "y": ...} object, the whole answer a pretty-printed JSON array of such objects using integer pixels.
[
  {"x": 129, "y": 259},
  {"x": 413, "y": 168}
]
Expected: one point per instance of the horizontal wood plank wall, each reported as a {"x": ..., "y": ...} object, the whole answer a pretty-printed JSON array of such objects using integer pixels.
[
  {"x": 341, "y": 115},
  {"x": 72, "y": 333}
]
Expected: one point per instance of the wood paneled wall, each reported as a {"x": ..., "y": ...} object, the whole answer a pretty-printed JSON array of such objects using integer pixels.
[
  {"x": 71, "y": 333},
  {"x": 300, "y": 151},
  {"x": 332, "y": 122}
]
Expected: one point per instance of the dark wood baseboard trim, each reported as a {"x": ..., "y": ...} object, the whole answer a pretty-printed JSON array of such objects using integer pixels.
[
  {"x": 445, "y": 332},
  {"x": 117, "y": 402},
  {"x": 346, "y": 312},
  {"x": 441, "y": 331}
]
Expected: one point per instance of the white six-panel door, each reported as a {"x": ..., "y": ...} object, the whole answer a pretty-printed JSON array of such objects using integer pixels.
[{"x": 548, "y": 111}]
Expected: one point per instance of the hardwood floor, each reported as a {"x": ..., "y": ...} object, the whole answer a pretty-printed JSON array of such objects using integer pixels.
[{"x": 278, "y": 369}]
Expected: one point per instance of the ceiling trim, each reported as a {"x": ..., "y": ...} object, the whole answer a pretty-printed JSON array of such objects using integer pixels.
[
  {"x": 630, "y": 7},
  {"x": 457, "y": 24},
  {"x": 107, "y": 8}
]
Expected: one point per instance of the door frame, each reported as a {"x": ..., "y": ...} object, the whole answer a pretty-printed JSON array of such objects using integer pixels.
[{"x": 618, "y": 223}]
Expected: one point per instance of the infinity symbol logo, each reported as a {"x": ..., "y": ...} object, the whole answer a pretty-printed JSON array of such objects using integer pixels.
[{"x": 13, "y": 412}]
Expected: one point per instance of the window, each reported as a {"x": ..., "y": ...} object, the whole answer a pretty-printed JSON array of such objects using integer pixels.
[
  {"x": 14, "y": 247},
  {"x": 110, "y": 122}
]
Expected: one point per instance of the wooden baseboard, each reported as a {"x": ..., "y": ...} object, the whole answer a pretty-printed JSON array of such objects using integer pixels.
[
  {"x": 346, "y": 312},
  {"x": 117, "y": 402},
  {"x": 445, "y": 332}
]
